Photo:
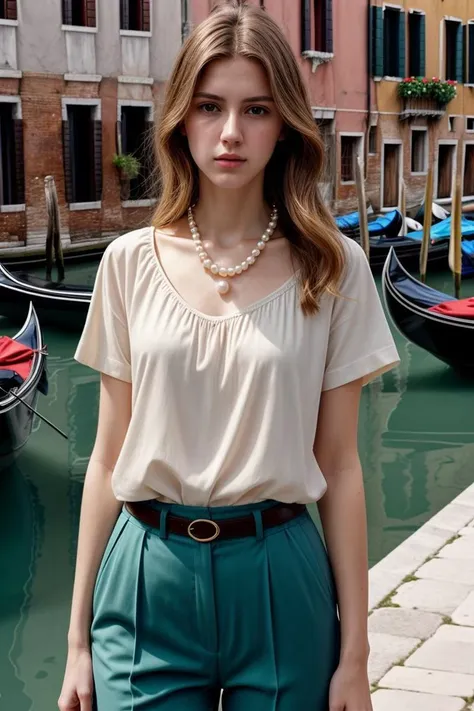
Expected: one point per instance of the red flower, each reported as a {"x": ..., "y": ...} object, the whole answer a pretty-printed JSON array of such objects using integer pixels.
[{"x": 425, "y": 81}]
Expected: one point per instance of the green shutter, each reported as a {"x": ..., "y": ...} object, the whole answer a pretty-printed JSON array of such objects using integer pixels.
[
  {"x": 464, "y": 54},
  {"x": 402, "y": 45},
  {"x": 470, "y": 76},
  {"x": 422, "y": 64},
  {"x": 459, "y": 55},
  {"x": 377, "y": 41}
]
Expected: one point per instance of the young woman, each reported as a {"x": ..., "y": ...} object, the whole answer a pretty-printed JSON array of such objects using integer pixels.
[{"x": 233, "y": 339}]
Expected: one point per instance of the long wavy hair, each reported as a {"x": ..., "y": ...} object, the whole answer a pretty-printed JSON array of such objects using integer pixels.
[{"x": 293, "y": 172}]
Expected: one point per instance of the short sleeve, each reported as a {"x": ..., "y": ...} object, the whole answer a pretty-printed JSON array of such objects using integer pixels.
[
  {"x": 360, "y": 343},
  {"x": 104, "y": 344}
]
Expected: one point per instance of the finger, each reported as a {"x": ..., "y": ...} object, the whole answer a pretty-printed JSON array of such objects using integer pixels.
[
  {"x": 68, "y": 702},
  {"x": 85, "y": 698}
]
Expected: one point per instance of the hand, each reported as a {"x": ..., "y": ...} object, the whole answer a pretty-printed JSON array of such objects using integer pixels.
[
  {"x": 350, "y": 689},
  {"x": 78, "y": 685}
]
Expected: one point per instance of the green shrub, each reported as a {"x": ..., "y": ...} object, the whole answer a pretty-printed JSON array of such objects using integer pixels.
[{"x": 128, "y": 164}]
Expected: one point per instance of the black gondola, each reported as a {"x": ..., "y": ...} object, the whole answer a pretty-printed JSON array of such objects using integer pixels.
[
  {"x": 56, "y": 303},
  {"x": 16, "y": 420},
  {"x": 408, "y": 251},
  {"x": 449, "y": 338},
  {"x": 71, "y": 255}
]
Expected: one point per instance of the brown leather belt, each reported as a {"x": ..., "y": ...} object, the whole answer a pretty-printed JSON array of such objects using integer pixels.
[{"x": 207, "y": 530}]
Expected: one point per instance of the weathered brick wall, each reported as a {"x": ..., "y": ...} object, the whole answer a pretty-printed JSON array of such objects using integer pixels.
[{"x": 43, "y": 146}]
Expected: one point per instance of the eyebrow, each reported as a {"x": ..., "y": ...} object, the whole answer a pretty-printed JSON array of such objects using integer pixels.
[{"x": 206, "y": 95}]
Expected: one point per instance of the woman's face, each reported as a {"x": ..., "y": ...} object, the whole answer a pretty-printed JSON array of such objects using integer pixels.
[{"x": 233, "y": 114}]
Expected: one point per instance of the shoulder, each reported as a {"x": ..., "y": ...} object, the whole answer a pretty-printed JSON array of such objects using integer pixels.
[
  {"x": 129, "y": 245},
  {"x": 356, "y": 267}
]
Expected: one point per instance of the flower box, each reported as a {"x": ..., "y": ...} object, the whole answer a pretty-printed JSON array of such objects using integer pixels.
[
  {"x": 425, "y": 97},
  {"x": 422, "y": 107}
]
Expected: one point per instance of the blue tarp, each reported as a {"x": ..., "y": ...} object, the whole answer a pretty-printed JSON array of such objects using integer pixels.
[
  {"x": 442, "y": 230},
  {"x": 383, "y": 222},
  {"x": 348, "y": 222},
  {"x": 377, "y": 226}
]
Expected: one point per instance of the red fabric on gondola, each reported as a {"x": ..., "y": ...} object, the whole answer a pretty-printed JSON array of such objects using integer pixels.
[
  {"x": 15, "y": 356},
  {"x": 462, "y": 308}
]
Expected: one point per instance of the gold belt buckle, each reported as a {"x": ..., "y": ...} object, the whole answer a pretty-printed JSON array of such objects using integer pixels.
[{"x": 216, "y": 533}]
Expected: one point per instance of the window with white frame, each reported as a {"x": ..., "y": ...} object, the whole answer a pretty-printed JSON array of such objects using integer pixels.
[
  {"x": 351, "y": 147},
  {"x": 391, "y": 174},
  {"x": 446, "y": 157},
  {"x": 416, "y": 44},
  {"x": 470, "y": 52},
  {"x": 12, "y": 170},
  {"x": 419, "y": 150},
  {"x": 135, "y": 137},
  {"x": 8, "y": 10},
  {"x": 453, "y": 51},
  {"x": 82, "y": 146},
  {"x": 79, "y": 13},
  {"x": 317, "y": 25},
  {"x": 135, "y": 15},
  {"x": 470, "y": 124},
  {"x": 469, "y": 170}
]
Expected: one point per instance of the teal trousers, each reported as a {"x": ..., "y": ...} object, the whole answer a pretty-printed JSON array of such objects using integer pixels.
[{"x": 176, "y": 621}]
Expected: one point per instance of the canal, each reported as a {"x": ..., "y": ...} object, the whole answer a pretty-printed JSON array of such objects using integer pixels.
[{"x": 416, "y": 446}]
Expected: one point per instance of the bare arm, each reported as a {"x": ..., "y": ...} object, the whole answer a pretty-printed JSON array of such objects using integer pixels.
[
  {"x": 99, "y": 509},
  {"x": 343, "y": 514}
]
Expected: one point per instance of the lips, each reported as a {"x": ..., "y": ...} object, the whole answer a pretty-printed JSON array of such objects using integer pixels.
[{"x": 231, "y": 159}]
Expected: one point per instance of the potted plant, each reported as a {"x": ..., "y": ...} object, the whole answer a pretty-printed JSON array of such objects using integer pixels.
[{"x": 128, "y": 167}]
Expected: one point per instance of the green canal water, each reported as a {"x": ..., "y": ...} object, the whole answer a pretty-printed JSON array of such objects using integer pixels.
[{"x": 416, "y": 446}]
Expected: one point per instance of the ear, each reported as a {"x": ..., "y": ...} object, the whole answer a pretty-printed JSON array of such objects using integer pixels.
[{"x": 182, "y": 129}]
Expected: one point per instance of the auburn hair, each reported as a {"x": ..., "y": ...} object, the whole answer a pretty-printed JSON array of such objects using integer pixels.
[{"x": 235, "y": 29}]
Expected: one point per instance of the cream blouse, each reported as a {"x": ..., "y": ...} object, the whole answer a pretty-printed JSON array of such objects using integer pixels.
[{"x": 225, "y": 408}]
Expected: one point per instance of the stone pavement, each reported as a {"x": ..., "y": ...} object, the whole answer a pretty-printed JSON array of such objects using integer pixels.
[{"x": 421, "y": 621}]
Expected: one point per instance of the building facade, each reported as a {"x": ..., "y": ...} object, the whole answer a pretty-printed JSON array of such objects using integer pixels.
[
  {"x": 79, "y": 80},
  {"x": 432, "y": 40}
]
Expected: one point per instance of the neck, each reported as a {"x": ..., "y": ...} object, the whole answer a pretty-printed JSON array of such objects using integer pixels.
[{"x": 228, "y": 217}]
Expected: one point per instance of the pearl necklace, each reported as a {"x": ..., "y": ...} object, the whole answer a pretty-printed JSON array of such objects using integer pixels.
[{"x": 223, "y": 285}]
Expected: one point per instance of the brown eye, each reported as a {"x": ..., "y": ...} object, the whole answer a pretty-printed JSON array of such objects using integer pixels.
[
  {"x": 258, "y": 108},
  {"x": 207, "y": 108}
]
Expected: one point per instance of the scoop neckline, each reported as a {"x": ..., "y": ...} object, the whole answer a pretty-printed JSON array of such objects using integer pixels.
[{"x": 286, "y": 286}]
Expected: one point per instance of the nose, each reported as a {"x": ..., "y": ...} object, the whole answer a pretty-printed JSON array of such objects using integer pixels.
[{"x": 231, "y": 131}]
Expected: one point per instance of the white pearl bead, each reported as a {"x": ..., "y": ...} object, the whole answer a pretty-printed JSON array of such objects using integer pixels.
[
  {"x": 194, "y": 231},
  {"x": 214, "y": 269},
  {"x": 255, "y": 252},
  {"x": 222, "y": 286},
  {"x": 203, "y": 255},
  {"x": 198, "y": 244},
  {"x": 231, "y": 271},
  {"x": 261, "y": 245},
  {"x": 268, "y": 232},
  {"x": 207, "y": 263},
  {"x": 251, "y": 260},
  {"x": 223, "y": 272},
  {"x": 245, "y": 266},
  {"x": 238, "y": 269},
  {"x": 265, "y": 238}
]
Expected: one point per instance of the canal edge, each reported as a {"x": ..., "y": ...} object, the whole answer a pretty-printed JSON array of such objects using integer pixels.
[{"x": 390, "y": 572}]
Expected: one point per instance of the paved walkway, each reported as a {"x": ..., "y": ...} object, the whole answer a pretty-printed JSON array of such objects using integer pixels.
[{"x": 421, "y": 623}]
